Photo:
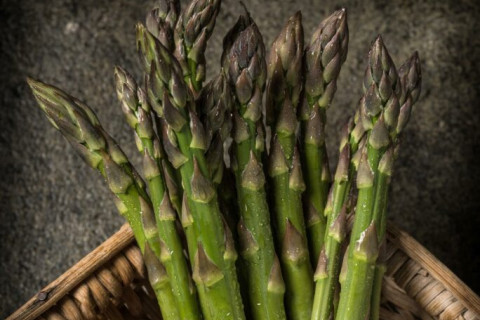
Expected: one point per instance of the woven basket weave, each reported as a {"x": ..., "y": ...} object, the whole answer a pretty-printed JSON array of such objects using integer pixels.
[{"x": 109, "y": 283}]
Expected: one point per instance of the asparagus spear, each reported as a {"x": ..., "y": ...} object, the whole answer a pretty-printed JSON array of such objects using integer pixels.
[
  {"x": 194, "y": 27},
  {"x": 137, "y": 113},
  {"x": 378, "y": 115},
  {"x": 323, "y": 58},
  {"x": 284, "y": 84},
  {"x": 215, "y": 112},
  {"x": 158, "y": 278},
  {"x": 80, "y": 126},
  {"x": 246, "y": 73},
  {"x": 328, "y": 265},
  {"x": 285, "y": 68},
  {"x": 214, "y": 257},
  {"x": 336, "y": 208},
  {"x": 410, "y": 80},
  {"x": 161, "y": 23}
]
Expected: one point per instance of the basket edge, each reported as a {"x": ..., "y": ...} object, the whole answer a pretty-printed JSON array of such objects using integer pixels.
[
  {"x": 57, "y": 289},
  {"x": 435, "y": 267}
]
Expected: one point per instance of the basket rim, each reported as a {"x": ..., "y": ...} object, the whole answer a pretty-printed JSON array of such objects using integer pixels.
[
  {"x": 58, "y": 288},
  {"x": 121, "y": 239},
  {"x": 435, "y": 267}
]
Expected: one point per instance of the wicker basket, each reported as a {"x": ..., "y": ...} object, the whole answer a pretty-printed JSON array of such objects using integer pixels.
[{"x": 109, "y": 283}]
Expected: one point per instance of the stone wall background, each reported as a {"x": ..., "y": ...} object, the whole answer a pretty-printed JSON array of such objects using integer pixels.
[{"x": 54, "y": 210}]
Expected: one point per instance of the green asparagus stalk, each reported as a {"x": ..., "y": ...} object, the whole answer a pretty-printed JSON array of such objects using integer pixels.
[
  {"x": 158, "y": 278},
  {"x": 214, "y": 257},
  {"x": 215, "y": 112},
  {"x": 325, "y": 55},
  {"x": 80, "y": 126},
  {"x": 328, "y": 266},
  {"x": 284, "y": 85},
  {"x": 379, "y": 218},
  {"x": 340, "y": 203},
  {"x": 410, "y": 80},
  {"x": 228, "y": 201},
  {"x": 137, "y": 113},
  {"x": 193, "y": 30},
  {"x": 378, "y": 115},
  {"x": 246, "y": 73}
]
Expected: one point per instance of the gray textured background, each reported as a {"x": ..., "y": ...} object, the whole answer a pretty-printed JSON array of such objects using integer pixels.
[{"x": 54, "y": 209}]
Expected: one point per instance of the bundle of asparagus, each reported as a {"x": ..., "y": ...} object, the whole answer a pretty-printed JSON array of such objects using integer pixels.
[{"x": 195, "y": 212}]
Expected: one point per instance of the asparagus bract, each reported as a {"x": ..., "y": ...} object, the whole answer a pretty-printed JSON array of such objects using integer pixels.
[
  {"x": 324, "y": 57},
  {"x": 170, "y": 250},
  {"x": 284, "y": 85},
  {"x": 378, "y": 115},
  {"x": 193, "y": 29},
  {"x": 214, "y": 257},
  {"x": 80, "y": 126},
  {"x": 246, "y": 72}
]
